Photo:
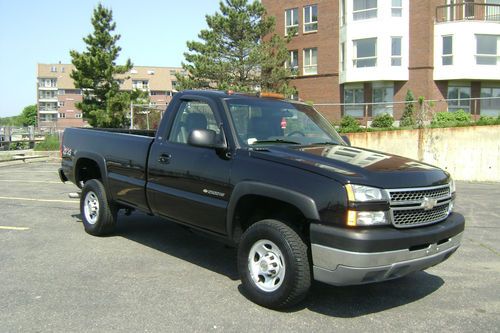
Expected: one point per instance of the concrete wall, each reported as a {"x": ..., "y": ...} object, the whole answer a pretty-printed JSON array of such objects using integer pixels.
[{"x": 467, "y": 153}]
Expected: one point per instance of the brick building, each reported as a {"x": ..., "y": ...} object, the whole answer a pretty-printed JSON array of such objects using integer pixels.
[
  {"x": 57, "y": 95},
  {"x": 373, "y": 51}
]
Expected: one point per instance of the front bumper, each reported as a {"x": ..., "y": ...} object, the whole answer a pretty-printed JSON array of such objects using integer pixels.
[{"x": 350, "y": 256}]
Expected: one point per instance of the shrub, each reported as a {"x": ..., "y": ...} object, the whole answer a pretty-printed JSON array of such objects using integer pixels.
[
  {"x": 485, "y": 120},
  {"x": 50, "y": 143},
  {"x": 408, "y": 118},
  {"x": 349, "y": 124},
  {"x": 451, "y": 119},
  {"x": 382, "y": 120}
]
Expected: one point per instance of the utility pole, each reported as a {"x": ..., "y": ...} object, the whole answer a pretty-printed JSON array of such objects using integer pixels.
[{"x": 131, "y": 115}]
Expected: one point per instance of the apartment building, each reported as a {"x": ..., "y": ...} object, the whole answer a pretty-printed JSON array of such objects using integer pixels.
[
  {"x": 57, "y": 95},
  {"x": 369, "y": 53}
]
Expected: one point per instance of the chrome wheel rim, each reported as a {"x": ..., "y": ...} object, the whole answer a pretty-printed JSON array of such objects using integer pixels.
[
  {"x": 91, "y": 207},
  {"x": 266, "y": 265}
]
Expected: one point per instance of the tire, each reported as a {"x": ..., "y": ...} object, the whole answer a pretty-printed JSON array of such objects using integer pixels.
[
  {"x": 274, "y": 265},
  {"x": 98, "y": 214}
]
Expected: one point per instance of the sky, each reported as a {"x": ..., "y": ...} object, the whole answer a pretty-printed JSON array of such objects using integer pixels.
[{"x": 153, "y": 33}]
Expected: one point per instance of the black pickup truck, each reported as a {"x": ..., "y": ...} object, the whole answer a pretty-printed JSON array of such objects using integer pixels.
[{"x": 273, "y": 178}]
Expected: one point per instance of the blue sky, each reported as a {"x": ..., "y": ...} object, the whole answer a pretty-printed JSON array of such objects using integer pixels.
[{"x": 153, "y": 33}]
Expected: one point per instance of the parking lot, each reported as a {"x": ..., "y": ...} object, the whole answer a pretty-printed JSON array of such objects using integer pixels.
[{"x": 156, "y": 276}]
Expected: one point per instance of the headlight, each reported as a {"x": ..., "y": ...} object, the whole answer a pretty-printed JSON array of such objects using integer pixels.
[
  {"x": 363, "y": 218},
  {"x": 362, "y": 193}
]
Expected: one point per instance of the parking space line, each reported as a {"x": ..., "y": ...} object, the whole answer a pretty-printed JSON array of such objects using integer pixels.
[
  {"x": 2, "y": 227},
  {"x": 38, "y": 200},
  {"x": 28, "y": 181}
]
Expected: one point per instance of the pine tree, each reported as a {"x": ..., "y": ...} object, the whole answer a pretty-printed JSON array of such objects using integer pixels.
[
  {"x": 408, "y": 117},
  {"x": 237, "y": 51},
  {"x": 96, "y": 70}
]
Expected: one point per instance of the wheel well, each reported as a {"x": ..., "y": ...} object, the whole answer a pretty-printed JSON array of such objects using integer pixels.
[
  {"x": 253, "y": 208},
  {"x": 87, "y": 169}
]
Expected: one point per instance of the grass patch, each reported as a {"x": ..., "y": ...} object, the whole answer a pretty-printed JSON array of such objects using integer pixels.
[{"x": 50, "y": 143}]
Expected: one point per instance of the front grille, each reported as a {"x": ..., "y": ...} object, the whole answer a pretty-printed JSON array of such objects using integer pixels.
[
  {"x": 409, "y": 209},
  {"x": 420, "y": 194},
  {"x": 415, "y": 217}
]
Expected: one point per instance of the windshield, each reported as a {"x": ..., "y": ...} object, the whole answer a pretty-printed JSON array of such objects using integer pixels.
[{"x": 264, "y": 122}]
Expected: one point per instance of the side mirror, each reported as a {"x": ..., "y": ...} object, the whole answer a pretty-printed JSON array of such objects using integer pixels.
[
  {"x": 346, "y": 139},
  {"x": 205, "y": 138}
]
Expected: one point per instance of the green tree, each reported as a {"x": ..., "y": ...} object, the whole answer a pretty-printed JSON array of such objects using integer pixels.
[
  {"x": 96, "y": 70},
  {"x": 408, "y": 118},
  {"x": 28, "y": 116},
  {"x": 237, "y": 51}
]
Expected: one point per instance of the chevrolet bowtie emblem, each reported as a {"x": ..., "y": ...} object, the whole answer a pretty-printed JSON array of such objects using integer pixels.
[{"x": 428, "y": 203}]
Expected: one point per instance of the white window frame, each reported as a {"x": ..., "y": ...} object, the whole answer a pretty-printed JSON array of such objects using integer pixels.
[
  {"x": 61, "y": 115},
  {"x": 355, "y": 59},
  {"x": 293, "y": 19},
  {"x": 446, "y": 55},
  {"x": 60, "y": 104},
  {"x": 396, "y": 9},
  {"x": 494, "y": 104},
  {"x": 366, "y": 10},
  {"x": 288, "y": 64},
  {"x": 78, "y": 116},
  {"x": 495, "y": 57},
  {"x": 308, "y": 68},
  {"x": 397, "y": 60},
  {"x": 140, "y": 84},
  {"x": 311, "y": 23},
  {"x": 342, "y": 56}
]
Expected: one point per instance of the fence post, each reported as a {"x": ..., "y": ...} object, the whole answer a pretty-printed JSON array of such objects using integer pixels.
[{"x": 131, "y": 115}]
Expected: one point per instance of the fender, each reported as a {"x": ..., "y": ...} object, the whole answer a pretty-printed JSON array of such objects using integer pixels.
[
  {"x": 101, "y": 163},
  {"x": 304, "y": 203}
]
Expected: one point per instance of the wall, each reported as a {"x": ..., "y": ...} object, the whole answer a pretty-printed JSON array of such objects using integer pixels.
[{"x": 467, "y": 153}]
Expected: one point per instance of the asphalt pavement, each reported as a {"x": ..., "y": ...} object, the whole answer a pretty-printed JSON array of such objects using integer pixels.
[{"x": 155, "y": 276}]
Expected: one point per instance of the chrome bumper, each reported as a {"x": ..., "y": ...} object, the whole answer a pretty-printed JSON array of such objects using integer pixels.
[{"x": 339, "y": 267}]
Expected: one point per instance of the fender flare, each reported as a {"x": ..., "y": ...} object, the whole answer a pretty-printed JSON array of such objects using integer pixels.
[
  {"x": 305, "y": 204},
  {"x": 101, "y": 163}
]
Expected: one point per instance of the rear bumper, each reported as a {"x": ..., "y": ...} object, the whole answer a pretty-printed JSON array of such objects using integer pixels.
[{"x": 372, "y": 257}]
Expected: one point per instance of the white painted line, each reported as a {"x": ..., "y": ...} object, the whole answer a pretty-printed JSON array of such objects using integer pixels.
[
  {"x": 13, "y": 228},
  {"x": 28, "y": 181},
  {"x": 38, "y": 200}
]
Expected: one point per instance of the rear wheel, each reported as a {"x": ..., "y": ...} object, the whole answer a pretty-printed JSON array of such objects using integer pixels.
[
  {"x": 98, "y": 214},
  {"x": 273, "y": 264}
]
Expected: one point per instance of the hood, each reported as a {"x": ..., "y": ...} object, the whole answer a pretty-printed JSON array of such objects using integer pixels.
[{"x": 356, "y": 165}]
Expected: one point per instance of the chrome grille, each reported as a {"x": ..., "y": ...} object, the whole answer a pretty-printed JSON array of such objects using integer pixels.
[
  {"x": 419, "y": 195},
  {"x": 415, "y": 217},
  {"x": 409, "y": 209}
]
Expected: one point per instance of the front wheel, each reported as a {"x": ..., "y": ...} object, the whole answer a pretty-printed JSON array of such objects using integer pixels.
[
  {"x": 98, "y": 214},
  {"x": 273, "y": 264}
]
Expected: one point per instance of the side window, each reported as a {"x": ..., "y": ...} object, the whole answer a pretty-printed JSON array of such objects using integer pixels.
[{"x": 190, "y": 116}]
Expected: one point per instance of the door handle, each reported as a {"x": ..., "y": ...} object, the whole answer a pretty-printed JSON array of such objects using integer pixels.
[{"x": 164, "y": 158}]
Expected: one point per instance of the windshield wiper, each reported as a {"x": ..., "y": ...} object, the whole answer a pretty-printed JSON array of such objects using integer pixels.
[
  {"x": 276, "y": 141},
  {"x": 326, "y": 143}
]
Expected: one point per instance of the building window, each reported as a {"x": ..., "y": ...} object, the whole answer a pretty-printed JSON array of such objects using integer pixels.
[
  {"x": 490, "y": 107},
  {"x": 140, "y": 84},
  {"x": 342, "y": 57},
  {"x": 397, "y": 8},
  {"x": 60, "y": 103},
  {"x": 310, "y": 61},
  {"x": 47, "y": 83},
  {"x": 62, "y": 115},
  {"x": 291, "y": 20},
  {"x": 353, "y": 101},
  {"x": 78, "y": 115},
  {"x": 447, "y": 55},
  {"x": 383, "y": 94},
  {"x": 486, "y": 49},
  {"x": 342, "y": 12},
  {"x": 365, "y": 51},
  {"x": 459, "y": 98},
  {"x": 53, "y": 69},
  {"x": 293, "y": 62},
  {"x": 396, "y": 51},
  {"x": 311, "y": 18},
  {"x": 364, "y": 9}
]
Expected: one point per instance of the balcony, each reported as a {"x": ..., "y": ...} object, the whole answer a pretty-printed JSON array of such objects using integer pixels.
[{"x": 468, "y": 11}]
